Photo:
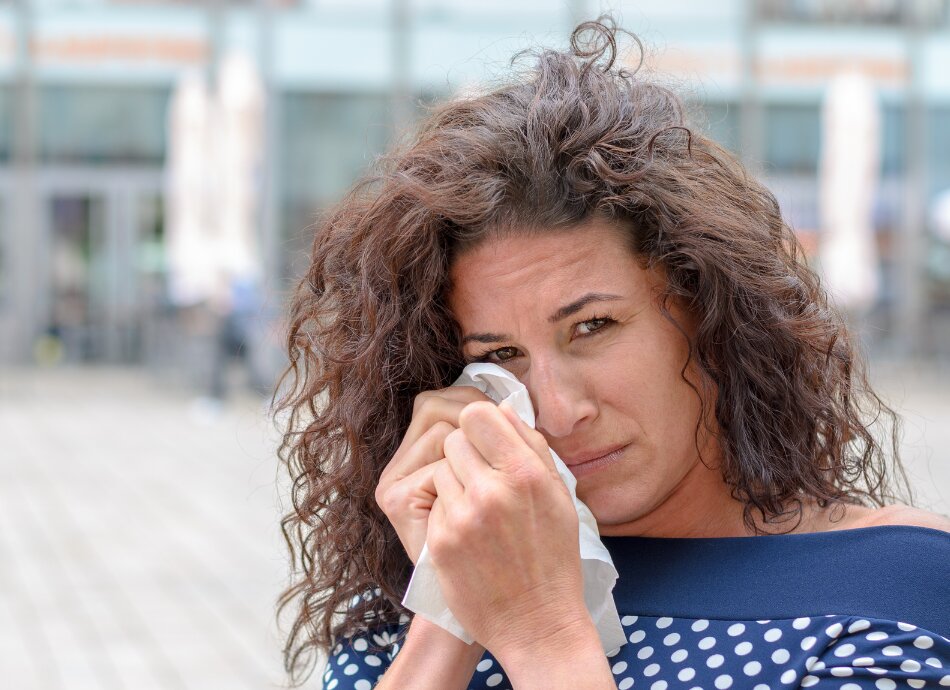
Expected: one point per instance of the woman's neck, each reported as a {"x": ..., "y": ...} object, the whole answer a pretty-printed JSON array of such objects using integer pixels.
[{"x": 701, "y": 506}]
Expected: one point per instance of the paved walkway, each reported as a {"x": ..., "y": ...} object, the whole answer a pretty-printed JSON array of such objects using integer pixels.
[
  {"x": 921, "y": 394},
  {"x": 139, "y": 535}
]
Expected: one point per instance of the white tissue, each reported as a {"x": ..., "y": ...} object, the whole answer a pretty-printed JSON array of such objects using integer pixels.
[{"x": 424, "y": 596}]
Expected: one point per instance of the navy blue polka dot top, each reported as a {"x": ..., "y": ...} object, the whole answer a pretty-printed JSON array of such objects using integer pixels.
[{"x": 851, "y": 609}]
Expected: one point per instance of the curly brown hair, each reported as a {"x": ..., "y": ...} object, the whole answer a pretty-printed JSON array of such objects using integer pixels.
[{"x": 573, "y": 136}]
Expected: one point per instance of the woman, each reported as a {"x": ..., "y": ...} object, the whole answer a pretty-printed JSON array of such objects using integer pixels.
[{"x": 681, "y": 358}]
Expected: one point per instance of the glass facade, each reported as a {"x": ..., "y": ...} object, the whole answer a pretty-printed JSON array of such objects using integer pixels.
[
  {"x": 328, "y": 140},
  {"x": 79, "y": 275},
  {"x": 6, "y": 122},
  {"x": 792, "y": 134},
  {"x": 4, "y": 271},
  {"x": 99, "y": 124},
  {"x": 336, "y": 114},
  {"x": 861, "y": 12},
  {"x": 938, "y": 163},
  {"x": 721, "y": 123}
]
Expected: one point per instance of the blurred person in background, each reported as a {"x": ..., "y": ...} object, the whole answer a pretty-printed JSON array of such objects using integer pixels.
[
  {"x": 682, "y": 359},
  {"x": 938, "y": 260},
  {"x": 235, "y": 312}
]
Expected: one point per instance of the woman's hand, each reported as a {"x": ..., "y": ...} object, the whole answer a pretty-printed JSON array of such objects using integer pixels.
[
  {"x": 406, "y": 491},
  {"x": 503, "y": 532}
]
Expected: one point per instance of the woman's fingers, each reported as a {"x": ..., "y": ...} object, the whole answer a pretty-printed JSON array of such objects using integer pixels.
[
  {"x": 408, "y": 503},
  {"x": 448, "y": 489},
  {"x": 406, "y": 490},
  {"x": 427, "y": 449},
  {"x": 430, "y": 407},
  {"x": 469, "y": 466},
  {"x": 494, "y": 435},
  {"x": 532, "y": 437},
  {"x": 435, "y": 414},
  {"x": 410, "y": 494}
]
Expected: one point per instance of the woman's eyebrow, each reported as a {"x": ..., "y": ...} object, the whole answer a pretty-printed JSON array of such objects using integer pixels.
[
  {"x": 561, "y": 313},
  {"x": 579, "y": 304}
]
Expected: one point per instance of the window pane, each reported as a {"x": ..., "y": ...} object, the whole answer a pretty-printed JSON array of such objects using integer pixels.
[
  {"x": 722, "y": 124},
  {"x": 792, "y": 137},
  {"x": 893, "y": 144},
  {"x": 938, "y": 130},
  {"x": 6, "y": 121},
  {"x": 328, "y": 141},
  {"x": 90, "y": 124}
]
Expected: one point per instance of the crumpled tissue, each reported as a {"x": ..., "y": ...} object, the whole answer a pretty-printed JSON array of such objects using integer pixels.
[{"x": 424, "y": 595}]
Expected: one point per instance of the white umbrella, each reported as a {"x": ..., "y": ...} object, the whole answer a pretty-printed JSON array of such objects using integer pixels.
[
  {"x": 241, "y": 113},
  {"x": 188, "y": 176},
  {"x": 215, "y": 153},
  {"x": 940, "y": 215},
  {"x": 849, "y": 172}
]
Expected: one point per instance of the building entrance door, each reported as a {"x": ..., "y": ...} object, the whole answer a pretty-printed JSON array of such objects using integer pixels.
[
  {"x": 80, "y": 258},
  {"x": 103, "y": 247}
]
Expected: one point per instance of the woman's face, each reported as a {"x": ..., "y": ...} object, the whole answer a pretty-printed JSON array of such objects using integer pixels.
[{"x": 572, "y": 315}]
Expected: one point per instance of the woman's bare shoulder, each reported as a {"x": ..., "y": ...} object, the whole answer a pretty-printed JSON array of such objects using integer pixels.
[{"x": 900, "y": 514}]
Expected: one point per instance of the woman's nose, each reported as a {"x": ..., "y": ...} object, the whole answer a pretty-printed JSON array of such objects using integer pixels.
[{"x": 561, "y": 403}]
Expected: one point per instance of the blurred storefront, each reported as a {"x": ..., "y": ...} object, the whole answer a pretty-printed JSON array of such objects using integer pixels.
[{"x": 85, "y": 90}]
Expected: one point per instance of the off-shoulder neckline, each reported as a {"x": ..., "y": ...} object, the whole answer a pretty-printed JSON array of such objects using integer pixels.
[
  {"x": 885, "y": 571},
  {"x": 850, "y": 531}
]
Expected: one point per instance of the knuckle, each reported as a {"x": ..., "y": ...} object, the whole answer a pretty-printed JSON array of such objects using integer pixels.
[
  {"x": 433, "y": 440},
  {"x": 444, "y": 427},
  {"x": 442, "y": 472},
  {"x": 454, "y": 439},
  {"x": 482, "y": 398},
  {"x": 543, "y": 450},
  {"x": 440, "y": 430},
  {"x": 442, "y": 542},
  {"x": 379, "y": 494},
  {"x": 390, "y": 499},
  {"x": 463, "y": 522},
  {"x": 481, "y": 494},
  {"x": 469, "y": 520},
  {"x": 421, "y": 398},
  {"x": 527, "y": 477},
  {"x": 383, "y": 500},
  {"x": 476, "y": 408},
  {"x": 470, "y": 393},
  {"x": 437, "y": 548},
  {"x": 538, "y": 438},
  {"x": 489, "y": 502}
]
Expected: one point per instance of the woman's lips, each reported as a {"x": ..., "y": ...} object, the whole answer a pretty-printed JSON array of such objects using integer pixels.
[{"x": 585, "y": 468}]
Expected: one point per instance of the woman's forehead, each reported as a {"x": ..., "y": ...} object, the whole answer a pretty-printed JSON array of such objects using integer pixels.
[
  {"x": 562, "y": 250},
  {"x": 533, "y": 271}
]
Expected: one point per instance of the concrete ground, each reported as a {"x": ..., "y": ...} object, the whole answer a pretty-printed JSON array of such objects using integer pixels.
[
  {"x": 921, "y": 394},
  {"x": 139, "y": 534},
  {"x": 139, "y": 530}
]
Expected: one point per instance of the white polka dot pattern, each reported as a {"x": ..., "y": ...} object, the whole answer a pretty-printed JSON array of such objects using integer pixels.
[{"x": 824, "y": 651}]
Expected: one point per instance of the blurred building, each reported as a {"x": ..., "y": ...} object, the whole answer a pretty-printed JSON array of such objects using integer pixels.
[{"x": 85, "y": 87}]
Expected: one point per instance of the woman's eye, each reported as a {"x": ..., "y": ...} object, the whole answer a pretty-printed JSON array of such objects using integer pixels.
[
  {"x": 599, "y": 323},
  {"x": 499, "y": 354},
  {"x": 504, "y": 354}
]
